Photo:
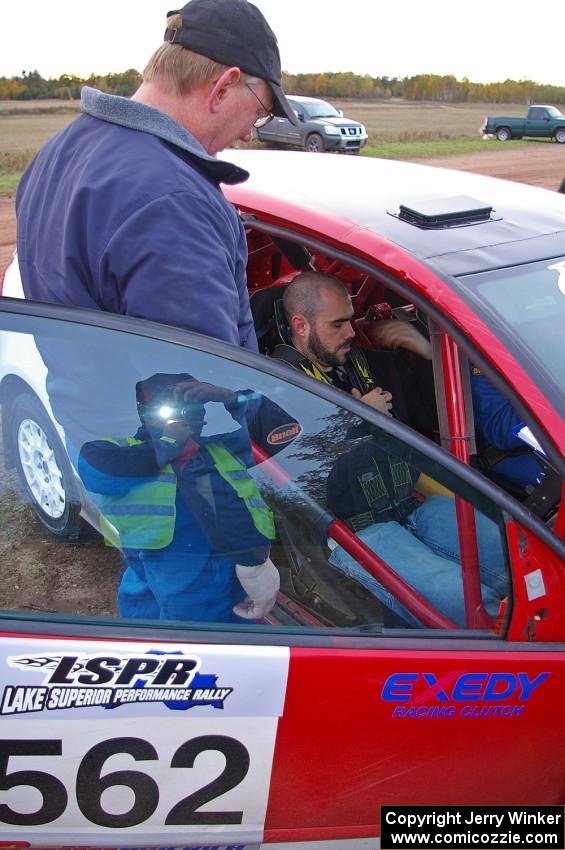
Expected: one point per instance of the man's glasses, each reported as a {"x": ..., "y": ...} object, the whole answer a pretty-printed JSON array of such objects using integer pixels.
[{"x": 267, "y": 116}]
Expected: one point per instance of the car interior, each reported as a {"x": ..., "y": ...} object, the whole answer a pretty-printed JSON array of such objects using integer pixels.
[{"x": 275, "y": 261}]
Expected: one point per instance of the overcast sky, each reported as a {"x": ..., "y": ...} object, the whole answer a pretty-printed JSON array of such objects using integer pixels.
[{"x": 484, "y": 40}]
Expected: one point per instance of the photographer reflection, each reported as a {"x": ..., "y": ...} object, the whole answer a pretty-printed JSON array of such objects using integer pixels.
[{"x": 193, "y": 529}]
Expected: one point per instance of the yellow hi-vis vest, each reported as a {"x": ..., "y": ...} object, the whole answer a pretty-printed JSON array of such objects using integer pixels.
[
  {"x": 145, "y": 517},
  {"x": 235, "y": 473}
]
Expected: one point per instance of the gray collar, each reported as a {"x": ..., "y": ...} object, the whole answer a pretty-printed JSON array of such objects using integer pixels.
[{"x": 146, "y": 119}]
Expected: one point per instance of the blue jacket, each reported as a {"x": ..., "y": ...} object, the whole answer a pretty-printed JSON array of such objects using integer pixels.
[
  {"x": 227, "y": 509},
  {"x": 122, "y": 211},
  {"x": 495, "y": 418}
]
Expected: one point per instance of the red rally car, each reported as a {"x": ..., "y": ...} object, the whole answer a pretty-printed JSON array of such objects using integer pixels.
[{"x": 361, "y": 688}]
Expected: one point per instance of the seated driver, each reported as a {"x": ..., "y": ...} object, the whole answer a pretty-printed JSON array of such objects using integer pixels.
[{"x": 372, "y": 488}]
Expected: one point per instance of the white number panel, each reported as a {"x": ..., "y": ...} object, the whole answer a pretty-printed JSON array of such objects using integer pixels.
[{"x": 133, "y": 745}]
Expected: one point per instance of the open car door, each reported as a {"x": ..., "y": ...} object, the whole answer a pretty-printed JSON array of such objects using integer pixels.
[{"x": 386, "y": 673}]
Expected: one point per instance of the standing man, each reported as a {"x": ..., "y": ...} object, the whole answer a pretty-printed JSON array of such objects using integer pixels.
[
  {"x": 122, "y": 211},
  {"x": 182, "y": 507}
]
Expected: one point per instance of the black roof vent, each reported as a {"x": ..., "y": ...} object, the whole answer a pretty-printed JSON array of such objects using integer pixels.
[{"x": 446, "y": 212}]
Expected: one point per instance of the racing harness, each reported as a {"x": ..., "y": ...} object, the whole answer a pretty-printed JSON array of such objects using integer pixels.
[
  {"x": 371, "y": 484},
  {"x": 354, "y": 373}
]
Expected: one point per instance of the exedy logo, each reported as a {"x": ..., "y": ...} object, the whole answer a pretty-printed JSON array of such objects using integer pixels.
[
  {"x": 458, "y": 693},
  {"x": 78, "y": 681}
]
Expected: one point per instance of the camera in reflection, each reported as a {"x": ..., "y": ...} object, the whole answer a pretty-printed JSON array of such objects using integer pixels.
[
  {"x": 158, "y": 401},
  {"x": 192, "y": 414}
]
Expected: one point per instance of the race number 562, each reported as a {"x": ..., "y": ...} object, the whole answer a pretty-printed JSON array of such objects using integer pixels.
[
  {"x": 90, "y": 783},
  {"x": 139, "y": 776}
]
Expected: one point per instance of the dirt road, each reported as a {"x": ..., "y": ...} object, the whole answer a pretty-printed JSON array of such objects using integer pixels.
[{"x": 543, "y": 165}]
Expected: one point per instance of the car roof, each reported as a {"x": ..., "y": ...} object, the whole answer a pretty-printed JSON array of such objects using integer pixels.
[
  {"x": 353, "y": 203},
  {"x": 303, "y": 99},
  {"x": 526, "y": 223}
]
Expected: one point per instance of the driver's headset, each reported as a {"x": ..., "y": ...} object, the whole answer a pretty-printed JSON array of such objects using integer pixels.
[{"x": 281, "y": 323}]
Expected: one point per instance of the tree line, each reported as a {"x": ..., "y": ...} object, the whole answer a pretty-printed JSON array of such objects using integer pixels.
[
  {"x": 32, "y": 86},
  {"x": 447, "y": 89}
]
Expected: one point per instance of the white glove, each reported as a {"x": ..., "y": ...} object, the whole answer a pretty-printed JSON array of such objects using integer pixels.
[{"x": 261, "y": 583}]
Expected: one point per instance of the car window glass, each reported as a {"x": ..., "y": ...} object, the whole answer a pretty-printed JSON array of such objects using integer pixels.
[
  {"x": 296, "y": 106},
  {"x": 138, "y": 473},
  {"x": 529, "y": 302},
  {"x": 319, "y": 109}
]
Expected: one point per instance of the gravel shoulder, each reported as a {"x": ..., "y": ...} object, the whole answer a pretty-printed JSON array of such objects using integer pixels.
[{"x": 541, "y": 165}]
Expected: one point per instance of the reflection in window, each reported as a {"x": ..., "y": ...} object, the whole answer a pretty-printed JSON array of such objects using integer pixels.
[{"x": 187, "y": 464}]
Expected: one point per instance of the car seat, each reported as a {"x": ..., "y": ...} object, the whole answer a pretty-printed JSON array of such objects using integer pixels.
[{"x": 268, "y": 317}]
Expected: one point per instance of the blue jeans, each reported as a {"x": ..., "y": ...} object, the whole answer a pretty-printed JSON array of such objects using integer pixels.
[{"x": 426, "y": 555}]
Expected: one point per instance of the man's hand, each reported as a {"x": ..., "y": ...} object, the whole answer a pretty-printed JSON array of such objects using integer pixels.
[
  {"x": 199, "y": 392},
  {"x": 261, "y": 583},
  {"x": 392, "y": 333},
  {"x": 379, "y": 399}
]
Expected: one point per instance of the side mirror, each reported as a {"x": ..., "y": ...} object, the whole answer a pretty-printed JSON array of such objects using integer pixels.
[
  {"x": 300, "y": 116},
  {"x": 340, "y": 111}
]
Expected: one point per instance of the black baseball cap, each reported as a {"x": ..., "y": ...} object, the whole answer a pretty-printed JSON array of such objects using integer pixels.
[{"x": 234, "y": 32}]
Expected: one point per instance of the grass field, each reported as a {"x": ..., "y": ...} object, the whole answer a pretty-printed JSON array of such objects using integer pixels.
[
  {"x": 406, "y": 121},
  {"x": 401, "y": 129},
  {"x": 397, "y": 129},
  {"x": 24, "y": 127}
]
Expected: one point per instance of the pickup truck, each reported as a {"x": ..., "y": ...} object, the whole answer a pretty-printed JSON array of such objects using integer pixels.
[
  {"x": 320, "y": 128},
  {"x": 541, "y": 121}
]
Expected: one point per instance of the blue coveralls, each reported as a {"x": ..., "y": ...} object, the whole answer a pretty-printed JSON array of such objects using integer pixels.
[
  {"x": 212, "y": 528},
  {"x": 495, "y": 418}
]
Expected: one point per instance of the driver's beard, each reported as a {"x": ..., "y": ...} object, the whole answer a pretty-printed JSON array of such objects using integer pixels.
[{"x": 319, "y": 353}]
